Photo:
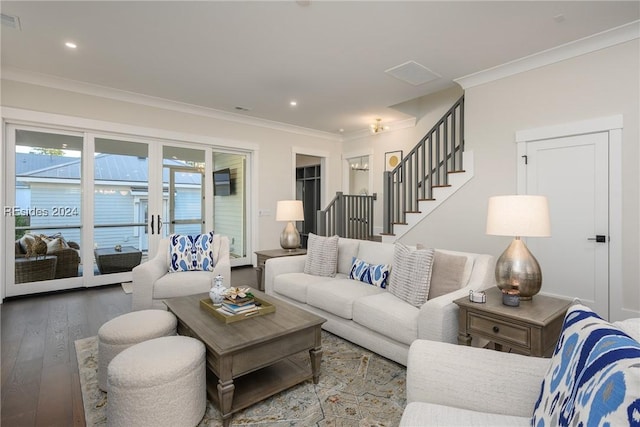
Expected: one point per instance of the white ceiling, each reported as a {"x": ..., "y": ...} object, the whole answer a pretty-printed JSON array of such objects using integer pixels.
[{"x": 329, "y": 56}]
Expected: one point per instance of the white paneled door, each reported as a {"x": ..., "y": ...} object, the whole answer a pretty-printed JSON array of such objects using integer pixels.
[{"x": 573, "y": 173}]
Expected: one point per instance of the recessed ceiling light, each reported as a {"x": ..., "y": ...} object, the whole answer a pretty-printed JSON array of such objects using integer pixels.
[
  {"x": 293, "y": 103},
  {"x": 71, "y": 45}
]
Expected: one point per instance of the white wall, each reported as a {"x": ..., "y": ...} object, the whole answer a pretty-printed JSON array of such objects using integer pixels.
[
  {"x": 275, "y": 146},
  {"x": 599, "y": 84}
]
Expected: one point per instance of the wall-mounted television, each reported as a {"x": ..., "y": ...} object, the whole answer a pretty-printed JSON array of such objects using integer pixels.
[{"x": 222, "y": 182}]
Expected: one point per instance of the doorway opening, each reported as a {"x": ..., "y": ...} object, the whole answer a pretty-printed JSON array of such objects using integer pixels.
[{"x": 308, "y": 189}]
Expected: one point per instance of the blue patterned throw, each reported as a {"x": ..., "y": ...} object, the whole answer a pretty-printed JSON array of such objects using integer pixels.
[
  {"x": 191, "y": 253},
  {"x": 594, "y": 377}
]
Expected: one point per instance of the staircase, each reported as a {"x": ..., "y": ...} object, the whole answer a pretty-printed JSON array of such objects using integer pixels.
[
  {"x": 456, "y": 180},
  {"x": 432, "y": 172}
]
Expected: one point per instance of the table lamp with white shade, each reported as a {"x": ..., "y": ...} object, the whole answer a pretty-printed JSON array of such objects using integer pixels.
[
  {"x": 290, "y": 211},
  {"x": 518, "y": 216}
]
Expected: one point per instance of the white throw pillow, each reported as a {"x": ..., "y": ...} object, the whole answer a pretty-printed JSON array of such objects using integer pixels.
[
  {"x": 54, "y": 245},
  {"x": 322, "y": 256},
  {"x": 411, "y": 275},
  {"x": 26, "y": 241}
]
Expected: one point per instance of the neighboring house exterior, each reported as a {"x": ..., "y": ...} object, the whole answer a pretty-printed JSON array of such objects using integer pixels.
[{"x": 51, "y": 183}]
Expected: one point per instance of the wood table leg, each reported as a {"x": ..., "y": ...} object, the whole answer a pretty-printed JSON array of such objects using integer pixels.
[
  {"x": 225, "y": 397},
  {"x": 316, "y": 360},
  {"x": 464, "y": 339}
]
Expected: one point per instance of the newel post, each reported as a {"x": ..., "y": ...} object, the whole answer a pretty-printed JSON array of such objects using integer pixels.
[{"x": 387, "y": 200}]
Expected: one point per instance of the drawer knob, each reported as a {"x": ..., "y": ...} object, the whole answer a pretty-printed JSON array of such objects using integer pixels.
[{"x": 496, "y": 329}]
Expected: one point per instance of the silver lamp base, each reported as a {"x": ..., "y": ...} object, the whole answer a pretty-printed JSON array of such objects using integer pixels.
[
  {"x": 290, "y": 238},
  {"x": 518, "y": 269}
]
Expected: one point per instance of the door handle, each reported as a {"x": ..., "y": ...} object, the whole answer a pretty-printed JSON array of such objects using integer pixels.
[
  {"x": 159, "y": 224},
  {"x": 152, "y": 232},
  {"x": 600, "y": 238}
]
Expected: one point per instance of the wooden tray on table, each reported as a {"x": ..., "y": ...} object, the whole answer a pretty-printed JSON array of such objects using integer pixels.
[{"x": 264, "y": 307}]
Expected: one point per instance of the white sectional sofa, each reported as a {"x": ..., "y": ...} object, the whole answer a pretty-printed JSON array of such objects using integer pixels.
[{"x": 369, "y": 315}]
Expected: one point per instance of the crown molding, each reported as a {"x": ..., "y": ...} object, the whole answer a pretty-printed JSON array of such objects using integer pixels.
[
  {"x": 605, "y": 39},
  {"x": 39, "y": 79},
  {"x": 394, "y": 126}
]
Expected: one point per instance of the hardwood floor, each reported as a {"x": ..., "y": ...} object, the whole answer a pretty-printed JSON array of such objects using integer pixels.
[{"x": 39, "y": 374}]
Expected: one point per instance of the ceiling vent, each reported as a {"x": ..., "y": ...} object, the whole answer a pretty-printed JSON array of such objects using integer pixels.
[
  {"x": 412, "y": 73},
  {"x": 11, "y": 21}
]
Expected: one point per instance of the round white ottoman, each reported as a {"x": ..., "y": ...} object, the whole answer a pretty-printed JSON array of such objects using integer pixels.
[
  {"x": 129, "y": 329},
  {"x": 160, "y": 382}
]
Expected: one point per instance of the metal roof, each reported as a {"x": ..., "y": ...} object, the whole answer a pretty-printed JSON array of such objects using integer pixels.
[{"x": 108, "y": 167}]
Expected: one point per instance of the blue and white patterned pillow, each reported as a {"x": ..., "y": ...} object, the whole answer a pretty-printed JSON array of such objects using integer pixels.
[
  {"x": 191, "y": 253},
  {"x": 359, "y": 270},
  {"x": 373, "y": 274},
  {"x": 379, "y": 275},
  {"x": 594, "y": 377}
]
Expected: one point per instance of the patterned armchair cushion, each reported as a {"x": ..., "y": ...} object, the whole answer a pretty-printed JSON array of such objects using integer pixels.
[
  {"x": 594, "y": 377},
  {"x": 191, "y": 253}
]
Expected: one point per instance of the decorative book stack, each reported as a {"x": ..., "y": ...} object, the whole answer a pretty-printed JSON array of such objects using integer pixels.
[
  {"x": 238, "y": 301},
  {"x": 238, "y": 304}
]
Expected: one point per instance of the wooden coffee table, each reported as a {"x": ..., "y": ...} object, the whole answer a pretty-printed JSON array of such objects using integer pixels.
[{"x": 250, "y": 360}]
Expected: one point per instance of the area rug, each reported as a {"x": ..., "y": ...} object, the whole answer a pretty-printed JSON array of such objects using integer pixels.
[
  {"x": 127, "y": 287},
  {"x": 357, "y": 388}
]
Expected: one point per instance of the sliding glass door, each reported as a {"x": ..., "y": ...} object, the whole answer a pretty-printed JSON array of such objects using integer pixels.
[
  {"x": 120, "y": 195},
  {"x": 44, "y": 212},
  {"x": 184, "y": 179},
  {"x": 83, "y": 209}
]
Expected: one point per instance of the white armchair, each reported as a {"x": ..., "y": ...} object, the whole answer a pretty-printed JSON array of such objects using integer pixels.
[
  {"x": 455, "y": 385},
  {"x": 152, "y": 281}
]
